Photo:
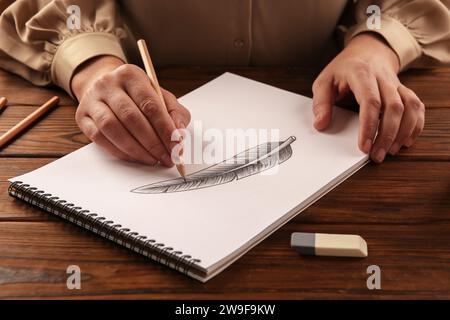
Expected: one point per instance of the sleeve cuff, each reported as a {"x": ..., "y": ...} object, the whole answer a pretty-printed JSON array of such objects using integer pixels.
[
  {"x": 78, "y": 49},
  {"x": 396, "y": 35}
]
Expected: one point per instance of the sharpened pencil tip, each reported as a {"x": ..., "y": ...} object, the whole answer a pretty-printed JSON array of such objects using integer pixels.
[{"x": 181, "y": 171}]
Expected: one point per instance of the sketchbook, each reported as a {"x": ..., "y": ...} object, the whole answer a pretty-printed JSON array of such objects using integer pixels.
[{"x": 201, "y": 225}]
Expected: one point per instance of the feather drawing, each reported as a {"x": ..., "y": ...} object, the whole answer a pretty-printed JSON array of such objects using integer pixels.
[{"x": 242, "y": 165}]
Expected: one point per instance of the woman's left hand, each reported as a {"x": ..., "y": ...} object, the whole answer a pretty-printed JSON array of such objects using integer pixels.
[{"x": 391, "y": 115}]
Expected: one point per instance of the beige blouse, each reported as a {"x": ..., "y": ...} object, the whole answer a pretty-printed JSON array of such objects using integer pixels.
[{"x": 39, "y": 40}]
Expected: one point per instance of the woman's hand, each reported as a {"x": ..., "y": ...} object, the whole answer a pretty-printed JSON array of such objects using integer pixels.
[
  {"x": 368, "y": 67},
  {"x": 120, "y": 111}
]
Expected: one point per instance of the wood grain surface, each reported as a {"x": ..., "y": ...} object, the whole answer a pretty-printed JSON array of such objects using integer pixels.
[{"x": 402, "y": 209}]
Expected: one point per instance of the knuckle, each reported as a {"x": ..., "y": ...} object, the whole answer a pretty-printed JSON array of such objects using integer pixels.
[
  {"x": 374, "y": 103},
  {"x": 361, "y": 68},
  {"x": 148, "y": 106},
  {"x": 396, "y": 107},
  {"x": 369, "y": 129},
  {"x": 105, "y": 122},
  {"x": 78, "y": 115},
  {"x": 388, "y": 138},
  {"x": 90, "y": 92},
  {"x": 94, "y": 134},
  {"x": 126, "y": 70},
  {"x": 98, "y": 85},
  {"x": 414, "y": 104},
  {"x": 422, "y": 107},
  {"x": 315, "y": 107},
  {"x": 320, "y": 108},
  {"x": 169, "y": 95},
  {"x": 127, "y": 114},
  {"x": 103, "y": 81},
  {"x": 183, "y": 112}
]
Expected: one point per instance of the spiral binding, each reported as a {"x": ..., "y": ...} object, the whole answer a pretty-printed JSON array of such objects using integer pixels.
[{"x": 106, "y": 228}]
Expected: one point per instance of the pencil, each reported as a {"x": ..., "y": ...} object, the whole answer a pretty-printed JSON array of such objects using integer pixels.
[
  {"x": 142, "y": 45},
  {"x": 27, "y": 121},
  {"x": 3, "y": 103}
]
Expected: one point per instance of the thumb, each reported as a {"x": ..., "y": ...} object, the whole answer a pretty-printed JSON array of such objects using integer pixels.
[{"x": 323, "y": 100}]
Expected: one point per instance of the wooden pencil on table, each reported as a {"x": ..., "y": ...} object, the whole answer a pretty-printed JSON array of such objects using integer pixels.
[
  {"x": 27, "y": 121},
  {"x": 142, "y": 45}
]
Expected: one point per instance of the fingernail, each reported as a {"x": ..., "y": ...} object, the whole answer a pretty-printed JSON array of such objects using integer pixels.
[
  {"x": 379, "y": 155},
  {"x": 409, "y": 142},
  {"x": 319, "y": 117},
  {"x": 395, "y": 148},
  {"x": 318, "y": 120},
  {"x": 367, "y": 146}
]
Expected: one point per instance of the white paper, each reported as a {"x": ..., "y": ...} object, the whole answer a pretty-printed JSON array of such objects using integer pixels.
[{"x": 212, "y": 223}]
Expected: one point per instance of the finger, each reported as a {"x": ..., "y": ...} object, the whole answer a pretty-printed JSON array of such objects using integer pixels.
[
  {"x": 113, "y": 130},
  {"x": 145, "y": 97},
  {"x": 418, "y": 128},
  {"x": 87, "y": 125},
  {"x": 137, "y": 124},
  {"x": 411, "y": 114},
  {"x": 390, "y": 121},
  {"x": 323, "y": 100},
  {"x": 365, "y": 88},
  {"x": 181, "y": 117},
  {"x": 179, "y": 114}
]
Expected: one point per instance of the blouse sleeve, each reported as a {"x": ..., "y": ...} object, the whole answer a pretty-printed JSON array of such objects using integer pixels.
[
  {"x": 44, "y": 41},
  {"x": 417, "y": 30}
]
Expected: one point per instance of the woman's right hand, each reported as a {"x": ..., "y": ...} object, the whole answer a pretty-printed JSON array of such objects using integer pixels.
[{"x": 120, "y": 111}]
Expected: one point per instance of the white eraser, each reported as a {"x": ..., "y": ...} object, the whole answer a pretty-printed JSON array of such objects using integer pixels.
[{"x": 323, "y": 244}]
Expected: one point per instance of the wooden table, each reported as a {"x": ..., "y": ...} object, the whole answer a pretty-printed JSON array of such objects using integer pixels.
[{"x": 402, "y": 209}]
